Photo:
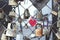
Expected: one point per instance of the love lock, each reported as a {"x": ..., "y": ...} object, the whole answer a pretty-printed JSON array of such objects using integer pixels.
[
  {"x": 12, "y": 13},
  {"x": 3, "y": 37},
  {"x": 13, "y": 2},
  {"x": 32, "y": 21},
  {"x": 1, "y": 14},
  {"x": 45, "y": 31},
  {"x": 11, "y": 30},
  {"x": 39, "y": 30},
  {"x": 26, "y": 26},
  {"x": 26, "y": 14}
]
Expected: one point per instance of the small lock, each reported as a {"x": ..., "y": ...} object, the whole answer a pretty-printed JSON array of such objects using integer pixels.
[
  {"x": 11, "y": 31},
  {"x": 26, "y": 26},
  {"x": 3, "y": 37},
  {"x": 38, "y": 31},
  {"x": 1, "y": 14},
  {"x": 39, "y": 16},
  {"x": 26, "y": 14},
  {"x": 12, "y": 13},
  {"x": 13, "y": 2}
]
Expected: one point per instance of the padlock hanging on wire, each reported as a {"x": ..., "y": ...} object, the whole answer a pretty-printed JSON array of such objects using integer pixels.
[
  {"x": 3, "y": 37},
  {"x": 26, "y": 14},
  {"x": 39, "y": 15},
  {"x": 12, "y": 3},
  {"x": 12, "y": 13},
  {"x": 39, "y": 30},
  {"x": 1, "y": 14}
]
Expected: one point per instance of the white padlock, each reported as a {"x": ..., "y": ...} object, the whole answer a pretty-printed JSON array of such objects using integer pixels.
[
  {"x": 3, "y": 37},
  {"x": 11, "y": 31},
  {"x": 45, "y": 31},
  {"x": 12, "y": 2},
  {"x": 1, "y": 14}
]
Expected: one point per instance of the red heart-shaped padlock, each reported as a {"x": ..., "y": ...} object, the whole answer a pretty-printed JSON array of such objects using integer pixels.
[{"x": 32, "y": 22}]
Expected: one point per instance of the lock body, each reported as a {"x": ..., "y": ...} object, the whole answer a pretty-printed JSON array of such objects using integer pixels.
[
  {"x": 39, "y": 30},
  {"x": 12, "y": 14},
  {"x": 11, "y": 30},
  {"x": 26, "y": 14},
  {"x": 1, "y": 14},
  {"x": 13, "y": 2}
]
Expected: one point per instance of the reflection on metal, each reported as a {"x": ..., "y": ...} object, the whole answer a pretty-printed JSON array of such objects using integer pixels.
[
  {"x": 39, "y": 30},
  {"x": 3, "y": 37},
  {"x": 11, "y": 30},
  {"x": 26, "y": 14},
  {"x": 12, "y": 13}
]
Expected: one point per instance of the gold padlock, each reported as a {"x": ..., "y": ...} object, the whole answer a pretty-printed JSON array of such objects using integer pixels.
[
  {"x": 39, "y": 31},
  {"x": 13, "y": 2},
  {"x": 1, "y": 14}
]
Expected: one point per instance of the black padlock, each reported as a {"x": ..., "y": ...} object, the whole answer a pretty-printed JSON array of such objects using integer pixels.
[{"x": 26, "y": 14}]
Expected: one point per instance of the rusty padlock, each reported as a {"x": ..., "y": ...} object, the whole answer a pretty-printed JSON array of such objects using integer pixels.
[{"x": 11, "y": 30}]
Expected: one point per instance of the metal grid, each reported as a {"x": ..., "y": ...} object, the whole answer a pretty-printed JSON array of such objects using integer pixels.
[{"x": 27, "y": 22}]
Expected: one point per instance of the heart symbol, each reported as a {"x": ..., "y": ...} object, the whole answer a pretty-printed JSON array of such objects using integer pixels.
[{"x": 32, "y": 22}]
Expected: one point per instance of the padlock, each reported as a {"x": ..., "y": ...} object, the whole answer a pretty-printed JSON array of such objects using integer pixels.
[
  {"x": 3, "y": 37},
  {"x": 13, "y": 2},
  {"x": 26, "y": 14},
  {"x": 39, "y": 31},
  {"x": 1, "y": 14},
  {"x": 54, "y": 13},
  {"x": 39, "y": 16},
  {"x": 26, "y": 26},
  {"x": 58, "y": 35},
  {"x": 11, "y": 30},
  {"x": 12, "y": 13},
  {"x": 45, "y": 31}
]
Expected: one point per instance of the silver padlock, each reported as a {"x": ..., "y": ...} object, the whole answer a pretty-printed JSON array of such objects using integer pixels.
[
  {"x": 11, "y": 30},
  {"x": 13, "y": 2},
  {"x": 39, "y": 16},
  {"x": 1, "y": 14}
]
